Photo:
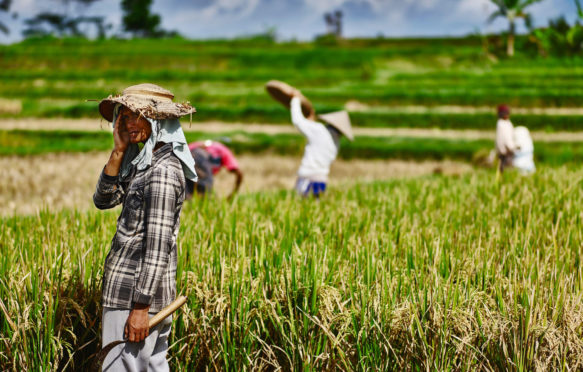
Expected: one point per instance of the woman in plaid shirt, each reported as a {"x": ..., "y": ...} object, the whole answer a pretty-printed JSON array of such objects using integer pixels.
[{"x": 140, "y": 269}]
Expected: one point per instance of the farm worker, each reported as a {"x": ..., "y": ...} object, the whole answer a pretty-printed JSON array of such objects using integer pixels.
[
  {"x": 322, "y": 147},
  {"x": 523, "y": 156},
  {"x": 210, "y": 157},
  {"x": 505, "y": 146},
  {"x": 140, "y": 270}
]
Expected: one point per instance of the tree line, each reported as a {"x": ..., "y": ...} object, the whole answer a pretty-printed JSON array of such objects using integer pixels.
[
  {"x": 137, "y": 20},
  {"x": 558, "y": 38}
]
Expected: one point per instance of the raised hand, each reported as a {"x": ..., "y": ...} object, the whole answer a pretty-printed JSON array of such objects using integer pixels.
[
  {"x": 121, "y": 141},
  {"x": 121, "y": 137}
]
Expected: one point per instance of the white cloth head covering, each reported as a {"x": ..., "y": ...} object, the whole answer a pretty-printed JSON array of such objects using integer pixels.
[
  {"x": 522, "y": 139},
  {"x": 524, "y": 155},
  {"x": 167, "y": 131}
]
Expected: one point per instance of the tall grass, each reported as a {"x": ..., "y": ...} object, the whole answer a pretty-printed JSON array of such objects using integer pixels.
[{"x": 432, "y": 273}]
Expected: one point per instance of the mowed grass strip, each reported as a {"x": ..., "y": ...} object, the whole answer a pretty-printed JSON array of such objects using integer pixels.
[
  {"x": 433, "y": 273},
  {"x": 30, "y": 142}
]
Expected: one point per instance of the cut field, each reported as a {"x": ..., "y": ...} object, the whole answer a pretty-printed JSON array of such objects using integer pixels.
[
  {"x": 431, "y": 273},
  {"x": 67, "y": 180}
]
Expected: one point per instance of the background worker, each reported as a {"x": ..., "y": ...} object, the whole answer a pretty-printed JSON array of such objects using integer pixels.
[
  {"x": 505, "y": 145},
  {"x": 322, "y": 146},
  {"x": 210, "y": 157}
]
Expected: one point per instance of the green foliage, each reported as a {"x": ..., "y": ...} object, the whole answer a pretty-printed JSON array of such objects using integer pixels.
[
  {"x": 579, "y": 9},
  {"x": 512, "y": 9},
  {"x": 559, "y": 39},
  {"x": 268, "y": 36},
  {"x": 64, "y": 25},
  {"x": 4, "y": 7},
  {"x": 433, "y": 273},
  {"x": 224, "y": 79},
  {"x": 138, "y": 19}
]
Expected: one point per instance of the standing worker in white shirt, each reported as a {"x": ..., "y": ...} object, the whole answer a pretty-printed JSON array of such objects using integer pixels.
[
  {"x": 505, "y": 145},
  {"x": 322, "y": 147}
]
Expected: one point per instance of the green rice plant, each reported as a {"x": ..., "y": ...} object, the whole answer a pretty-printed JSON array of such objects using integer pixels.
[
  {"x": 25, "y": 142},
  {"x": 435, "y": 272},
  {"x": 224, "y": 78}
]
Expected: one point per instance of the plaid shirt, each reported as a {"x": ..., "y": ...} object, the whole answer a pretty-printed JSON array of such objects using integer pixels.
[{"x": 141, "y": 265}]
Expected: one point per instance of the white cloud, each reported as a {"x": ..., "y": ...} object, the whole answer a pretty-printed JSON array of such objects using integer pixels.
[
  {"x": 322, "y": 6},
  {"x": 474, "y": 9},
  {"x": 240, "y": 8},
  {"x": 303, "y": 18},
  {"x": 380, "y": 7},
  {"x": 23, "y": 6}
]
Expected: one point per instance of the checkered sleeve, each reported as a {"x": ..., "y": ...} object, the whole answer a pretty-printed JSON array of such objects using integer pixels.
[
  {"x": 108, "y": 192},
  {"x": 160, "y": 196}
]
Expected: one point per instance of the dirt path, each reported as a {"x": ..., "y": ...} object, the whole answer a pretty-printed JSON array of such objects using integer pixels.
[
  {"x": 452, "y": 109},
  {"x": 220, "y": 127},
  {"x": 59, "y": 181}
]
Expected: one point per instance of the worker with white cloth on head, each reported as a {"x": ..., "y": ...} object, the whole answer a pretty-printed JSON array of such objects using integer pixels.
[{"x": 524, "y": 155}]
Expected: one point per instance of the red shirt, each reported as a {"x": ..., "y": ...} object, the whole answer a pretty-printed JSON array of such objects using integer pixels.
[{"x": 220, "y": 155}]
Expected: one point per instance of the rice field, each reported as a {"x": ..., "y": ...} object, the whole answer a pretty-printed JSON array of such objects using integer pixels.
[
  {"x": 224, "y": 80},
  {"x": 57, "y": 181},
  {"x": 472, "y": 147},
  {"x": 414, "y": 259},
  {"x": 429, "y": 273}
]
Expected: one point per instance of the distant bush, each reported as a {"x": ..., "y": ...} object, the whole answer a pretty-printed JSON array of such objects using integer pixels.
[{"x": 559, "y": 39}]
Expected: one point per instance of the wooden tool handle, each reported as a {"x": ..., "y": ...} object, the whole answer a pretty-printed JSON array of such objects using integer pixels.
[{"x": 163, "y": 314}]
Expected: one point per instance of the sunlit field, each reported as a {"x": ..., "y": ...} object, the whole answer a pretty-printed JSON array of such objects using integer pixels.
[
  {"x": 417, "y": 258},
  {"x": 377, "y": 79},
  {"x": 428, "y": 273}
]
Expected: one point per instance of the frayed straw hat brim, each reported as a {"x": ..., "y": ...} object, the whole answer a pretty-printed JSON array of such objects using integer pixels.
[
  {"x": 151, "y": 101},
  {"x": 149, "y": 108},
  {"x": 283, "y": 93}
]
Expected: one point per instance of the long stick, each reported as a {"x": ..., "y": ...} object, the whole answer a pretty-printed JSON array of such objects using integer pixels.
[{"x": 165, "y": 312}]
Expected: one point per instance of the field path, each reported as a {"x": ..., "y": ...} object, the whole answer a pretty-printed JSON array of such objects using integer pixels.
[
  {"x": 219, "y": 127},
  {"x": 58, "y": 181},
  {"x": 356, "y": 106}
]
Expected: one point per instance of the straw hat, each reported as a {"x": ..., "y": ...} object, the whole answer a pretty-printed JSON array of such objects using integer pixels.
[
  {"x": 339, "y": 120},
  {"x": 150, "y": 100},
  {"x": 283, "y": 93}
]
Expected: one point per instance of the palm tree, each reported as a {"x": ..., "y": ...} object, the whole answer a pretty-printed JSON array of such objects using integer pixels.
[
  {"x": 511, "y": 10},
  {"x": 579, "y": 9}
]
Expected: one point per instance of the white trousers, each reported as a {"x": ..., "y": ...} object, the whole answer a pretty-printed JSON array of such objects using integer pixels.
[{"x": 148, "y": 355}]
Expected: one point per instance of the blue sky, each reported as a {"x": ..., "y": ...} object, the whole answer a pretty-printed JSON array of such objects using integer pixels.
[{"x": 303, "y": 19}]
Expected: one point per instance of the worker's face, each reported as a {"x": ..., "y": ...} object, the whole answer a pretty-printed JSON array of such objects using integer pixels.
[{"x": 137, "y": 126}]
